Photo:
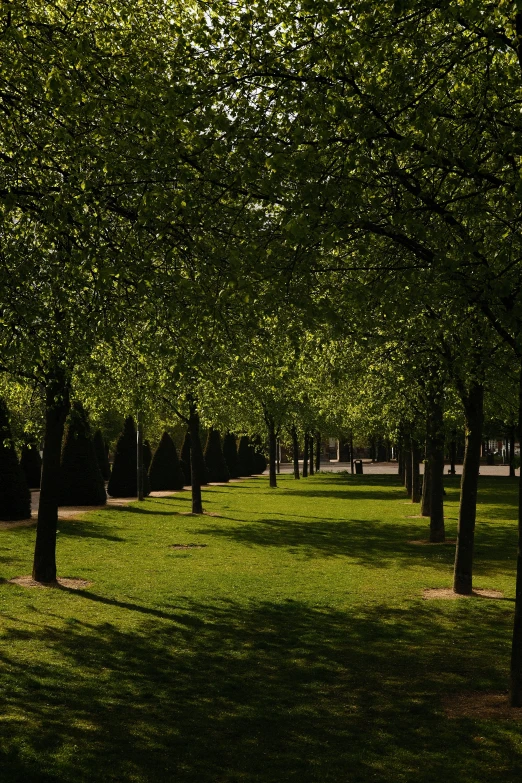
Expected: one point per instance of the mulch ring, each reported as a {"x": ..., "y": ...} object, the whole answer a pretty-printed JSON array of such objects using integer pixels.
[
  {"x": 65, "y": 582},
  {"x": 187, "y": 546},
  {"x": 478, "y": 704},
  {"x": 446, "y": 593},
  {"x": 425, "y": 542}
]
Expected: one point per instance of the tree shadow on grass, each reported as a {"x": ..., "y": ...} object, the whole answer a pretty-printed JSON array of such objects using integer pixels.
[{"x": 264, "y": 692}]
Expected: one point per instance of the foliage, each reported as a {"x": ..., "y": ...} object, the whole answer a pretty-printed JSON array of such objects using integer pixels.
[
  {"x": 31, "y": 464},
  {"x": 100, "y": 449},
  {"x": 15, "y": 498},
  {"x": 123, "y": 480},
  {"x": 216, "y": 465},
  {"x": 165, "y": 471},
  {"x": 230, "y": 454},
  {"x": 81, "y": 480}
]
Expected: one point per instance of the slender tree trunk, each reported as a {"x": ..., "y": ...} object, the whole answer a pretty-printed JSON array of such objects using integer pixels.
[
  {"x": 474, "y": 413},
  {"x": 515, "y": 694},
  {"x": 317, "y": 452},
  {"x": 426, "y": 486},
  {"x": 453, "y": 452},
  {"x": 272, "y": 450},
  {"x": 57, "y": 403},
  {"x": 305, "y": 456},
  {"x": 351, "y": 455},
  {"x": 295, "y": 449},
  {"x": 196, "y": 458},
  {"x": 415, "y": 471},
  {"x": 512, "y": 452},
  {"x": 139, "y": 448},
  {"x": 437, "y": 532},
  {"x": 407, "y": 470},
  {"x": 278, "y": 456},
  {"x": 311, "y": 454}
]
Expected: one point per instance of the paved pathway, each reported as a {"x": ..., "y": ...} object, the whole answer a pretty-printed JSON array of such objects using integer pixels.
[{"x": 391, "y": 467}]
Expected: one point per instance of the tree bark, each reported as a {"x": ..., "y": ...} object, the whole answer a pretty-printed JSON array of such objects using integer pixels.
[
  {"x": 426, "y": 485},
  {"x": 57, "y": 403},
  {"x": 512, "y": 452},
  {"x": 295, "y": 449},
  {"x": 437, "y": 532},
  {"x": 305, "y": 456},
  {"x": 407, "y": 470},
  {"x": 278, "y": 456},
  {"x": 415, "y": 471},
  {"x": 196, "y": 457},
  {"x": 317, "y": 452},
  {"x": 453, "y": 453},
  {"x": 473, "y": 403},
  {"x": 139, "y": 460},
  {"x": 311, "y": 454},
  {"x": 515, "y": 693},
  {"x": 351, "y": 455}
]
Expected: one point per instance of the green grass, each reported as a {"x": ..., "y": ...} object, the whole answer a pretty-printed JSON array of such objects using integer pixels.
[{"x": 294, "y": 646}]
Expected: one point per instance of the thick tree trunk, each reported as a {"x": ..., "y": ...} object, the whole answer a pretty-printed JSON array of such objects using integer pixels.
[
  {"x": 474, "y": 413},
  {"x": 57, "y": 403},
  {"x": 272, "y": 450},
  {"x": 295, "y": 449},
  {"x": 515, "y": 694},
  {"x": 196, "y": 458},
  {"x": 415, "y": 471},
  {"x": 317, "y": 452},
  {"x": 407, "y": 470},
  {"x": 512, "y": 452},
  {"x": 437, "y": 532},
  {"x": 305, "y": 456},
  {"x": 311, "y": 454}
]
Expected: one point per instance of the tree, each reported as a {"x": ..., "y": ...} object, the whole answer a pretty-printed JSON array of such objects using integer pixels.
[
  {"x": 230, "y": 454},
  {"x": 165, "y": 472},
  {"x": 81, "y": 481},
  {"x": 217, "y": 468},
  {"x": 100, "y": 450},
  {"x": 185, "y": 458},
  {"x": 15, "y": 498},
  {"x": 123, "y": 482},
  {"x": 244, "y": 457}
]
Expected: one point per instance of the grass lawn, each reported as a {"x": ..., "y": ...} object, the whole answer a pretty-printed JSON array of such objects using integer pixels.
[{"x": 294, "y": 645}]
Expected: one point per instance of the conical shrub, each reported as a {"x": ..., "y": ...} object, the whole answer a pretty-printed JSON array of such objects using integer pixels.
[
  {"x": 185, "y": 459},
  {"x": 31, "y": 464},
  {"x": 259, "y": 460},
  {"x": 215, "y": 463},
  {"x": 81, "y": 481},
  {"x": 15, "y": 497},
  {"x": 230, "y": 454},
  {"x": 147, "y": 455},
  {"x": 165, "y": 472},
  {"x": 123, "y": 482},
  {"x": 101, "y": 455},
  {"x": 244, "y": 457}
]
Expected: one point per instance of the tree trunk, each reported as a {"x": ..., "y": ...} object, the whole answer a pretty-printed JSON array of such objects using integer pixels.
[
  {"x": 317, "y": 452},
  {"x": 437, "y": 532},
  {"x": 351, "y": 455},
  {"x": 311, "y": 454},
  {"x": 407, "y": 470},
  {"x": 426, "y": 486},
  {"x": 453, "y": 453},
  {"x": 415, "y": 471},
  {"x": 305, "y": 456},
  {"x": 295, "y": 449},
  {"x": 278, "y": 456},
  {"x": 196, "y": 458},
  {"x": 474, "y": 412},
  {"x": 515, "y": 694},
  {"x": 57, "y": 403},
  {"x": 272, "y": 450},
  {"x": 139, "y": 448},
  {"x": 512, "y": 452}
]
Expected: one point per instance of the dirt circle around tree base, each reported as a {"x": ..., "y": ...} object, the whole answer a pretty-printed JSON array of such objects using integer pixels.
[
  {"x": 478, "y": 704},
  {"x": 446, "y": 593},
  {"x": 425, "y": 542},
  {"x": 66, "y": 582}
]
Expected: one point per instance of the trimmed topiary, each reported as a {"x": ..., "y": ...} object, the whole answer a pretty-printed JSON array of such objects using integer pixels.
[
  {"x": 259, "y": 460},
  {"x": 165, "y": 472},
  {"x": 31, "y": 464},
  {"x": 185, "y": 459},
  {"x": 216, "y": 465},
  {"x": 245, "y": 457},
  {"x": 230, "y": 454},
  {"x": 81, "y": 481},
  {"x": 100, "y": 450},
  {"x": 15, "y": 497},
  {"x": 123, "y": 482},
  {"x": 147, "y": 455}
]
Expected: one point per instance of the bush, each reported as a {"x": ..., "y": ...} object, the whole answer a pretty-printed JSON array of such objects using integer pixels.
[
  {"x": 15, "y": 497},
  {"x": 165, "y": 472},
  {"x": 81, "y": 481},
  {"x": 185, "y": 459},
  {"x": 147, "y": 455},
  {"x": 245, "y": 460},
  {"x": 31, "y": 464},
  {"x": 259, "y": 460},
  {"x": 215, "y": 463},
  {"x": 100, "y": 450},
  {"x": 123, "y": 482},
  {"x": 230, "y": 454}
]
